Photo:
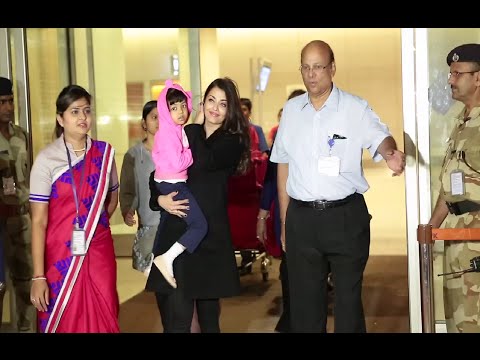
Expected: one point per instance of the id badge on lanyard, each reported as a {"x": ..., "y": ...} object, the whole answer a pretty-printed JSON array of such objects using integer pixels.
[
  {"x": 78, "y": 245},
  {"x": 79, "y": 242},
  {"x": 329, "y": 165}
]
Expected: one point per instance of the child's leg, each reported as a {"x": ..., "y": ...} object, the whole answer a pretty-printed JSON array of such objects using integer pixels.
[
  {"x": 196, "y": 230},
  {"x": 196, "y": 222}
]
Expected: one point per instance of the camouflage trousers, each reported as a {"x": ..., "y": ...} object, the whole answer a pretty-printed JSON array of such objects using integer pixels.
[
  {"x": 18, "y": 256},
  {"x": 461, "y": 293}
]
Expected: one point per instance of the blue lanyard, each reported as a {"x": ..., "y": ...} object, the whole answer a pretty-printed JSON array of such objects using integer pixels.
[
  {"x": 74, "y": 187},
  {"x": 331, "y": 142}
]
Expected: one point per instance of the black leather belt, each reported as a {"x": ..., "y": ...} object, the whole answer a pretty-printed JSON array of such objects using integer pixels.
[
  {"x": 462, "y": 207},
  {"x": 324, "y": 204},
  {"x": 14, "y": 210}
]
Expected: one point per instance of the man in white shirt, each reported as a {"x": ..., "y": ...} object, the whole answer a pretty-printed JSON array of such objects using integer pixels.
[{"x": 320, "y": 179}]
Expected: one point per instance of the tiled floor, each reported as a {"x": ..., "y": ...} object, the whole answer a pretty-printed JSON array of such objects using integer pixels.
[{"x": 130, "y": 282}]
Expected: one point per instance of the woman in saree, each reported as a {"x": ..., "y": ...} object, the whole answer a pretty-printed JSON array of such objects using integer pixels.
[{"x": 73, "y": 193}]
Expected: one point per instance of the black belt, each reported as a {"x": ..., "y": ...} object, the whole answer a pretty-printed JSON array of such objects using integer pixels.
[
  {"x": 324, "y": 204},
  {"x": 462, "y": 207},
  {"x": 14, "y": 210}
]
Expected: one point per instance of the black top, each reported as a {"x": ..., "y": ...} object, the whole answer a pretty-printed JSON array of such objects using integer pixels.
[{"x": 211, "y": 270}]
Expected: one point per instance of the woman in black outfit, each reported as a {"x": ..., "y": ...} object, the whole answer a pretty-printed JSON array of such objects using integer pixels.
[{"x": 220, "y": 145}]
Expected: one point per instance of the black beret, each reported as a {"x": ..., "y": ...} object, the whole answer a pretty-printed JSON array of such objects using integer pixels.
[
  {"x": 464, "y": 53},
  {"x": 5, "y": 87}
]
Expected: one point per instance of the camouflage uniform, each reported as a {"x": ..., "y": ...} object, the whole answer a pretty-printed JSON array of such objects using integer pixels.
[
  {"x": 16, "y": 223},
  {"x": 462, "y": 292}
]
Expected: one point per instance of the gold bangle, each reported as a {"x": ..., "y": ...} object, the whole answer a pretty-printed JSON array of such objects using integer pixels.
[{"x": 262, "y": 218}]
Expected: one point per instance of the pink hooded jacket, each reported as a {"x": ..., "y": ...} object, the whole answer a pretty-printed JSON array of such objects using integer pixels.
[{"x": 171, "y": 153}]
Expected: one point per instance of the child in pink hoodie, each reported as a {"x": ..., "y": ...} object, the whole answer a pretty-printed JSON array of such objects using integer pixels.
[{"x": 172, "y": 156}]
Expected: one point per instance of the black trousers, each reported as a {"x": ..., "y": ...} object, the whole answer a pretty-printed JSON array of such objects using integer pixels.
[
  {"x": 315, "y": 239},
  {"x": 176, "y": 311},
  {"x": 283, "y": 324}
]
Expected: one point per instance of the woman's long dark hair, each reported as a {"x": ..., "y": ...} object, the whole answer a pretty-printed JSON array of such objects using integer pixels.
[
  {"x": 235, "y": 122},
  {"x": 67, "y": 97}
]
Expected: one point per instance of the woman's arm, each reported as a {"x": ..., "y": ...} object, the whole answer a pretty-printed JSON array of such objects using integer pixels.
[
  {"x": 267, "y": 197},
  {"x": 111, "y": 200},
  {"x": 269, "y": 190},
  {"x": 39, "y": 291}
]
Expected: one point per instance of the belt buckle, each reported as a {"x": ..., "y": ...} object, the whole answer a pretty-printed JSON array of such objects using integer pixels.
[{"x": 319, "y": 205}]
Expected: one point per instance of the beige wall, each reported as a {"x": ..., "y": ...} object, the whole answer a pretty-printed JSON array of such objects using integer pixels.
[
  {"x": 47, "y": 73},
  {"x": 147, "y": 53},
  {"x": 111, "y": 98},
  {"x": 368, "y": 64}
]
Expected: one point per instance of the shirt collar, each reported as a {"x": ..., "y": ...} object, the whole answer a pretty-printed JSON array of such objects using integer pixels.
[
  {"x": 332, "y": 101},
  {"x": 460, "y": 118}
]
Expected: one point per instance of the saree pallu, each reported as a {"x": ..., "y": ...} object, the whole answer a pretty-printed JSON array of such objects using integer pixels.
[{"x": 82, "y": 289}]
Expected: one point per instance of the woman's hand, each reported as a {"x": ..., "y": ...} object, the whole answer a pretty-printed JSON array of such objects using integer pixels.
[
  {"x": 262, "y": 226},
  {"x": 173, "y": 207},
  {"x": 200, "y": 116},
  {"x": 39, "y": 294},
  {"x": 129, "y": 218}
]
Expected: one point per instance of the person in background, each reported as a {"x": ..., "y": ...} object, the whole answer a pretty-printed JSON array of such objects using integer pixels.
[
  {"x": 273, "y": 131},
  {"x": 458, "y": 203},
  {"x": 324, "y": 217},
  {"x": 258, "y": 143},
  {"x": 247, "y": 112},
  {"x": 134, "y": 194},
  {"x": 74, "y": 192},
  {"x": 220, "y": 144},
  {"x": 172, "y": 157},
  {"x": 15, "y": 222}
]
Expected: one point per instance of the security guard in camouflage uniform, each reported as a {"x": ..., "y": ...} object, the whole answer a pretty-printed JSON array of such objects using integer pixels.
[
  {"x": 15, "y": 223},
  {"x": 458, "y": 203}
]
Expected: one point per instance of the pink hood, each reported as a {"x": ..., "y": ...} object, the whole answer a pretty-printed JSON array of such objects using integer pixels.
[{"x": 171, "y": 153}]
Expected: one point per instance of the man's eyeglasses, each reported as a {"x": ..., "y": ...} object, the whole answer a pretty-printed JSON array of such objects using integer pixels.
[
  {"x": 456, "y": 74},
  {"x": 316, "y": 68}
]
